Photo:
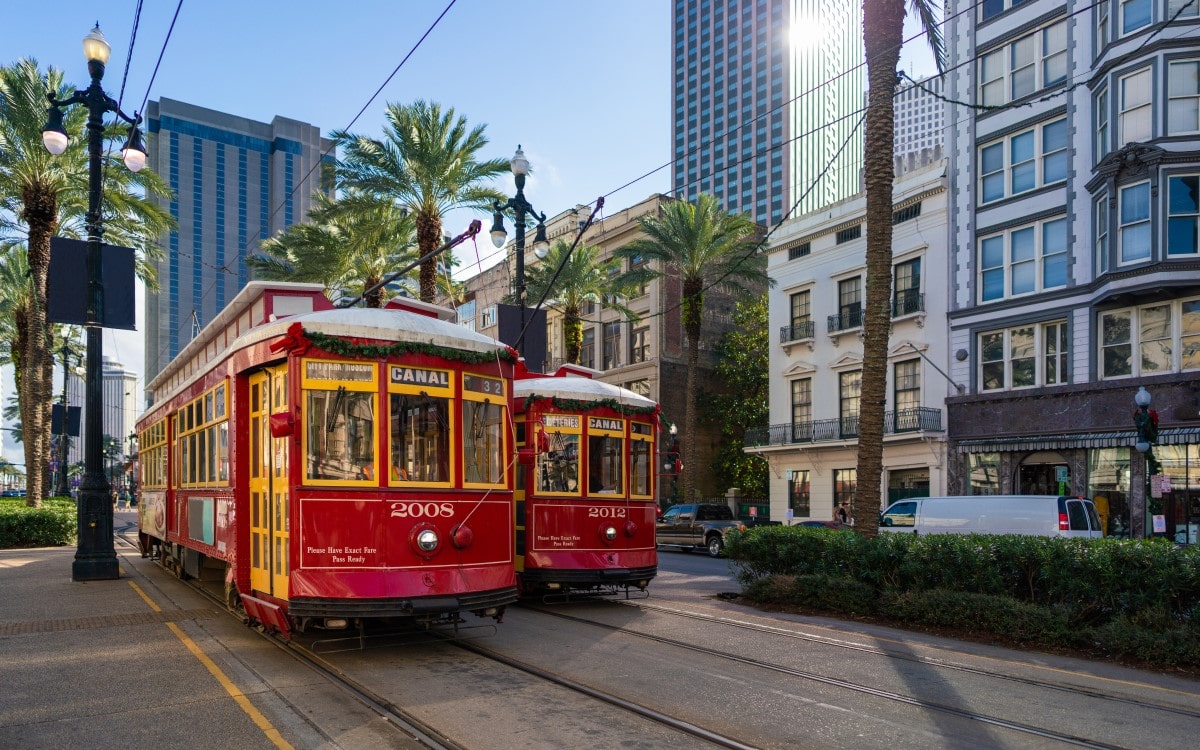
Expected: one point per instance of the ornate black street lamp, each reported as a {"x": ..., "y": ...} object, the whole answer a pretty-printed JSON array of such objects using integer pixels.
[
  {"x": 1145, "y": 420},
  {"x": 520, "y": 207},
  {"x": 95, "y": 557}
]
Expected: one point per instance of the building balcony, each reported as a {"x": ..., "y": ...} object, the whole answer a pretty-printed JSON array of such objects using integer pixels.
[
  {"x": 908, "y": 302},
  {"x": 921, "y": 419},
  {"x": 850, "y": 317},
  {"x": 797, "y": 332}
]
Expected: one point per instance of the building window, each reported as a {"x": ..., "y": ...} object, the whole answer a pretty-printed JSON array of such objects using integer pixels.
[
  {"x": 639, "y": 345},
  {"x": 1134, "y": 232},
  {"x": 1101, "y": 144},
  {"x": 801, "y": 408},
  {"x": 1183, "y": 215},
  {"x": 1024, "y": 66},
  {"x": 1023, "y": 261},
  {"x": 799, "y": 251},
  {"x": 849, "y": 400},
  {"x": 908, "y": 213},
  {"x": 612, "y": 346},
  {"x": 983, "y": 470},
  {"x": 846, "y": 235},
  {"x": 1183, "y": 97},
  {"x": 849, "y": 304},
  {"x": 907, "y": 286},
  {"x": 1103, "y": 23},
  {"x": 1181, "y": 9},
  {"x": 798, "y": 493},
  {"x": 845, "y": 487},
  {"x": 640, "y": 387},
  {"x": 1135, "y": 14},
  {"x": 1135, "y": 121},
  {"x": 587, "y": 349},
  {"x": 802, "y": 324},
  {"x": 1102, "y": 235},
  {"x": 1108, "y": 483},
  {"x": 487, "y": 317},
  {"x": 993, "y": 8},
  {"x": 1009, "y": 359},
  {"x": 906, "y": 384},
  {"x": 1024, "y": 161},
  {"x": 1152, "y": 339}
]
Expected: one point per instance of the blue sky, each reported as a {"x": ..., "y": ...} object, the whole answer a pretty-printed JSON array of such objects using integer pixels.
[{"x": 583, "y": 86}]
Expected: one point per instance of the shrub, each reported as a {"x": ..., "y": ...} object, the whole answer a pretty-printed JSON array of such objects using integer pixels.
[
  {"x": 828, "y": 593},
  {"x": 980, "y": 614},
  {"x": 52, "y": 524}
]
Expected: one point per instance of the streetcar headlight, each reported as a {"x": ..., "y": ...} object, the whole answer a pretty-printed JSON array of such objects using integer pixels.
[
  {"x": 610, "y": 534},
  {"x": 427, "y": 540}
]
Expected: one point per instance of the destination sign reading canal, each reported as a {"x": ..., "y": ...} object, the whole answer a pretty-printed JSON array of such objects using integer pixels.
[
  {"x": 600, "y": 423},
  {"x": 417, "y": 376},
  {"x": 339, "y": 371}
]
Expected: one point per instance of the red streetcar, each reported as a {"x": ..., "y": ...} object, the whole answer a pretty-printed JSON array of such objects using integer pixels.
[
  {"x": 334, "y": 466},
  {"x": 585, "y": 492}
]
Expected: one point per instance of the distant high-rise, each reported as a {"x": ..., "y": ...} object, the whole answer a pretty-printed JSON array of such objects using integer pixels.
[
  {"x": 235, "y": 182},
  {"x": 767, "y": 102}
]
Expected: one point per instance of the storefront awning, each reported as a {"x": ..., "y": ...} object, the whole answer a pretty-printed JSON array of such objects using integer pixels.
[{"x": 1116, "y": 439}]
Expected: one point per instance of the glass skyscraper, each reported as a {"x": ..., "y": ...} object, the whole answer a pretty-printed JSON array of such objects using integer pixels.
[
  {"x": 767, "y": 98},
  {"x": 234, "y": 183}
]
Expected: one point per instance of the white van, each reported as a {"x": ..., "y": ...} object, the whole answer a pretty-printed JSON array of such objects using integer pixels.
[{"x": 1036, "y": 515}]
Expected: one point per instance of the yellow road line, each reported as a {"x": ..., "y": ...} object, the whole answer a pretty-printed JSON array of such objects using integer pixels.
[{"x": 234, "y": 692}]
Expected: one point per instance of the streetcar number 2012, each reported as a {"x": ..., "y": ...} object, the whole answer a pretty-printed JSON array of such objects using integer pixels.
[{"x": 606, "y": 512}]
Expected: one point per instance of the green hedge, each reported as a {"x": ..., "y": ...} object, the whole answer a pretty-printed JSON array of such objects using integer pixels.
[
  {"x": 53, "y": 524},
  {"x": 1129, "y": 598}
]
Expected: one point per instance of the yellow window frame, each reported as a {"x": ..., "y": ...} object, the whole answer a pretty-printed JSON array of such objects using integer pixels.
[
  {"x": 554, "y": 423},
  {"x": 198, "y": 424},
  {"x": 491, "y": 390},
  {"x": 399, "y": 382},
  {"x": 620, "y": 434},
  {"x": 641, "y": 437},
  {"x": 319, "y": 383}
]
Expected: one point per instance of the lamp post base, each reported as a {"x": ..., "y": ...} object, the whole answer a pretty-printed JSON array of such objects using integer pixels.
[{"x": 95, "y": 556}]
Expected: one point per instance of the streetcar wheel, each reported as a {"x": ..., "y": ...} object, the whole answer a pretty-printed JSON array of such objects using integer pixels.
[{"x": 715, "y": 545}]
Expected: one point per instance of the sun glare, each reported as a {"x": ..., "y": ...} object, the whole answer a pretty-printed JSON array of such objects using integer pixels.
[{"x": 805, "y": 33}]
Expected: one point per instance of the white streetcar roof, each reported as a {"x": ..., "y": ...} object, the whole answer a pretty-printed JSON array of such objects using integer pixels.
[{"x": 580, "y": 389}]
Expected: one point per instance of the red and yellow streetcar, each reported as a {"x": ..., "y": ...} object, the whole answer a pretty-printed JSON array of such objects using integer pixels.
[
  {"x": 585, "y": 506},
  {"x": 334, "y": 466}
]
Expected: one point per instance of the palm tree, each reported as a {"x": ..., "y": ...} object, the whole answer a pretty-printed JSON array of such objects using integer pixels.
[
  {"x": 350, "y": 244},
  {"x": 883, "y": 35},
  {"x": 706, "y": 248},
  {"x": 583, "y": 278},
  {"x": 427, "y": 162},
  {"x": 43, "y": 195}
]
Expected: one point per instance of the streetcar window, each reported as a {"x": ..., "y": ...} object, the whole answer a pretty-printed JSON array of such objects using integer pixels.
[
  {"x": 483, "y": 443},
  {"x": 339, "y": 435},
  {"x": 557, "y": 467},
  {"x": 605, "y": 466},
  {"x": 639, "y": 467},
  {"x": 420, "y": 445}
]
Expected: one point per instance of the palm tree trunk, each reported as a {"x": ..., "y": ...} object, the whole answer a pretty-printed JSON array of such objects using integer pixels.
[
  {"x": 572, "y": 335},
  {"x": 883, "y": 23},
  {"x": 429, "y": 238},
  {"x": 693, "y": 310},
  {"x": 41, "y": 215}
]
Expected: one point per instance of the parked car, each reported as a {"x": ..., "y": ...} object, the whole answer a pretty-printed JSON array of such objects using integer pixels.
[
  {"x": 1036, "y": 515},
  {"x": 12, "y": 493},
  {"x": 692, "y": 525}
]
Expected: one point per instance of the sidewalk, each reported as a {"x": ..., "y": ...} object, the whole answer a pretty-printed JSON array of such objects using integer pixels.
[{"x": 110, "y": 664}]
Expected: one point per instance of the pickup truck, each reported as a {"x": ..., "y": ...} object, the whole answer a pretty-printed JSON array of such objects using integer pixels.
[{"x": 691, "y": 525}]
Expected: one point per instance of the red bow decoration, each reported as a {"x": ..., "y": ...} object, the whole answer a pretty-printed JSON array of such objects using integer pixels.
[{"x": 293, "y": 341}]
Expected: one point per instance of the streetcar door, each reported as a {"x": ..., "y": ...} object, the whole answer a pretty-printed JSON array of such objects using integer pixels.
[{"x": 269, "y": 518}]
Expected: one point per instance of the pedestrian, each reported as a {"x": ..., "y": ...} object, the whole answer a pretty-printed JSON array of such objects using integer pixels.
[
  {"x": 114, "y": 498},
  {"x": 842, "y": 516}
]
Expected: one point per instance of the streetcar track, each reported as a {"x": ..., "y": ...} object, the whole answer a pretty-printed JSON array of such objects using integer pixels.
[
  {"x": 926, "y": 660},
  {"x": 609, "y": 698},
  {"x": 848, "y": 685},
  {"x": 394, "y": 716}
]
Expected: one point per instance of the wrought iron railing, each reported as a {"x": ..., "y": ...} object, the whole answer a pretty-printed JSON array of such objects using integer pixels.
[
  {"x": 907, "y": 302},
  {"x": 797, "y": 332},
  {"x": 851, "y": 317},
  {"x": 922, "y": 419}
]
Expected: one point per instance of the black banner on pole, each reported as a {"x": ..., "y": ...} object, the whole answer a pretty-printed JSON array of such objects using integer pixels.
[
  {"x": 67, "y": 282},
  {"x": 56, "y": 416}
]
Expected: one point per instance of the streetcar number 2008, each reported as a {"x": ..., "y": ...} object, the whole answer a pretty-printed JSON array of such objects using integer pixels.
[
  {"x": 422, "y": 510},
  {"x": 606, "y": 512}
]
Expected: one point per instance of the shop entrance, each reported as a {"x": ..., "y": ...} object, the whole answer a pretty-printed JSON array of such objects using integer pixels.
[{"x": 1044, "y": 473}]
